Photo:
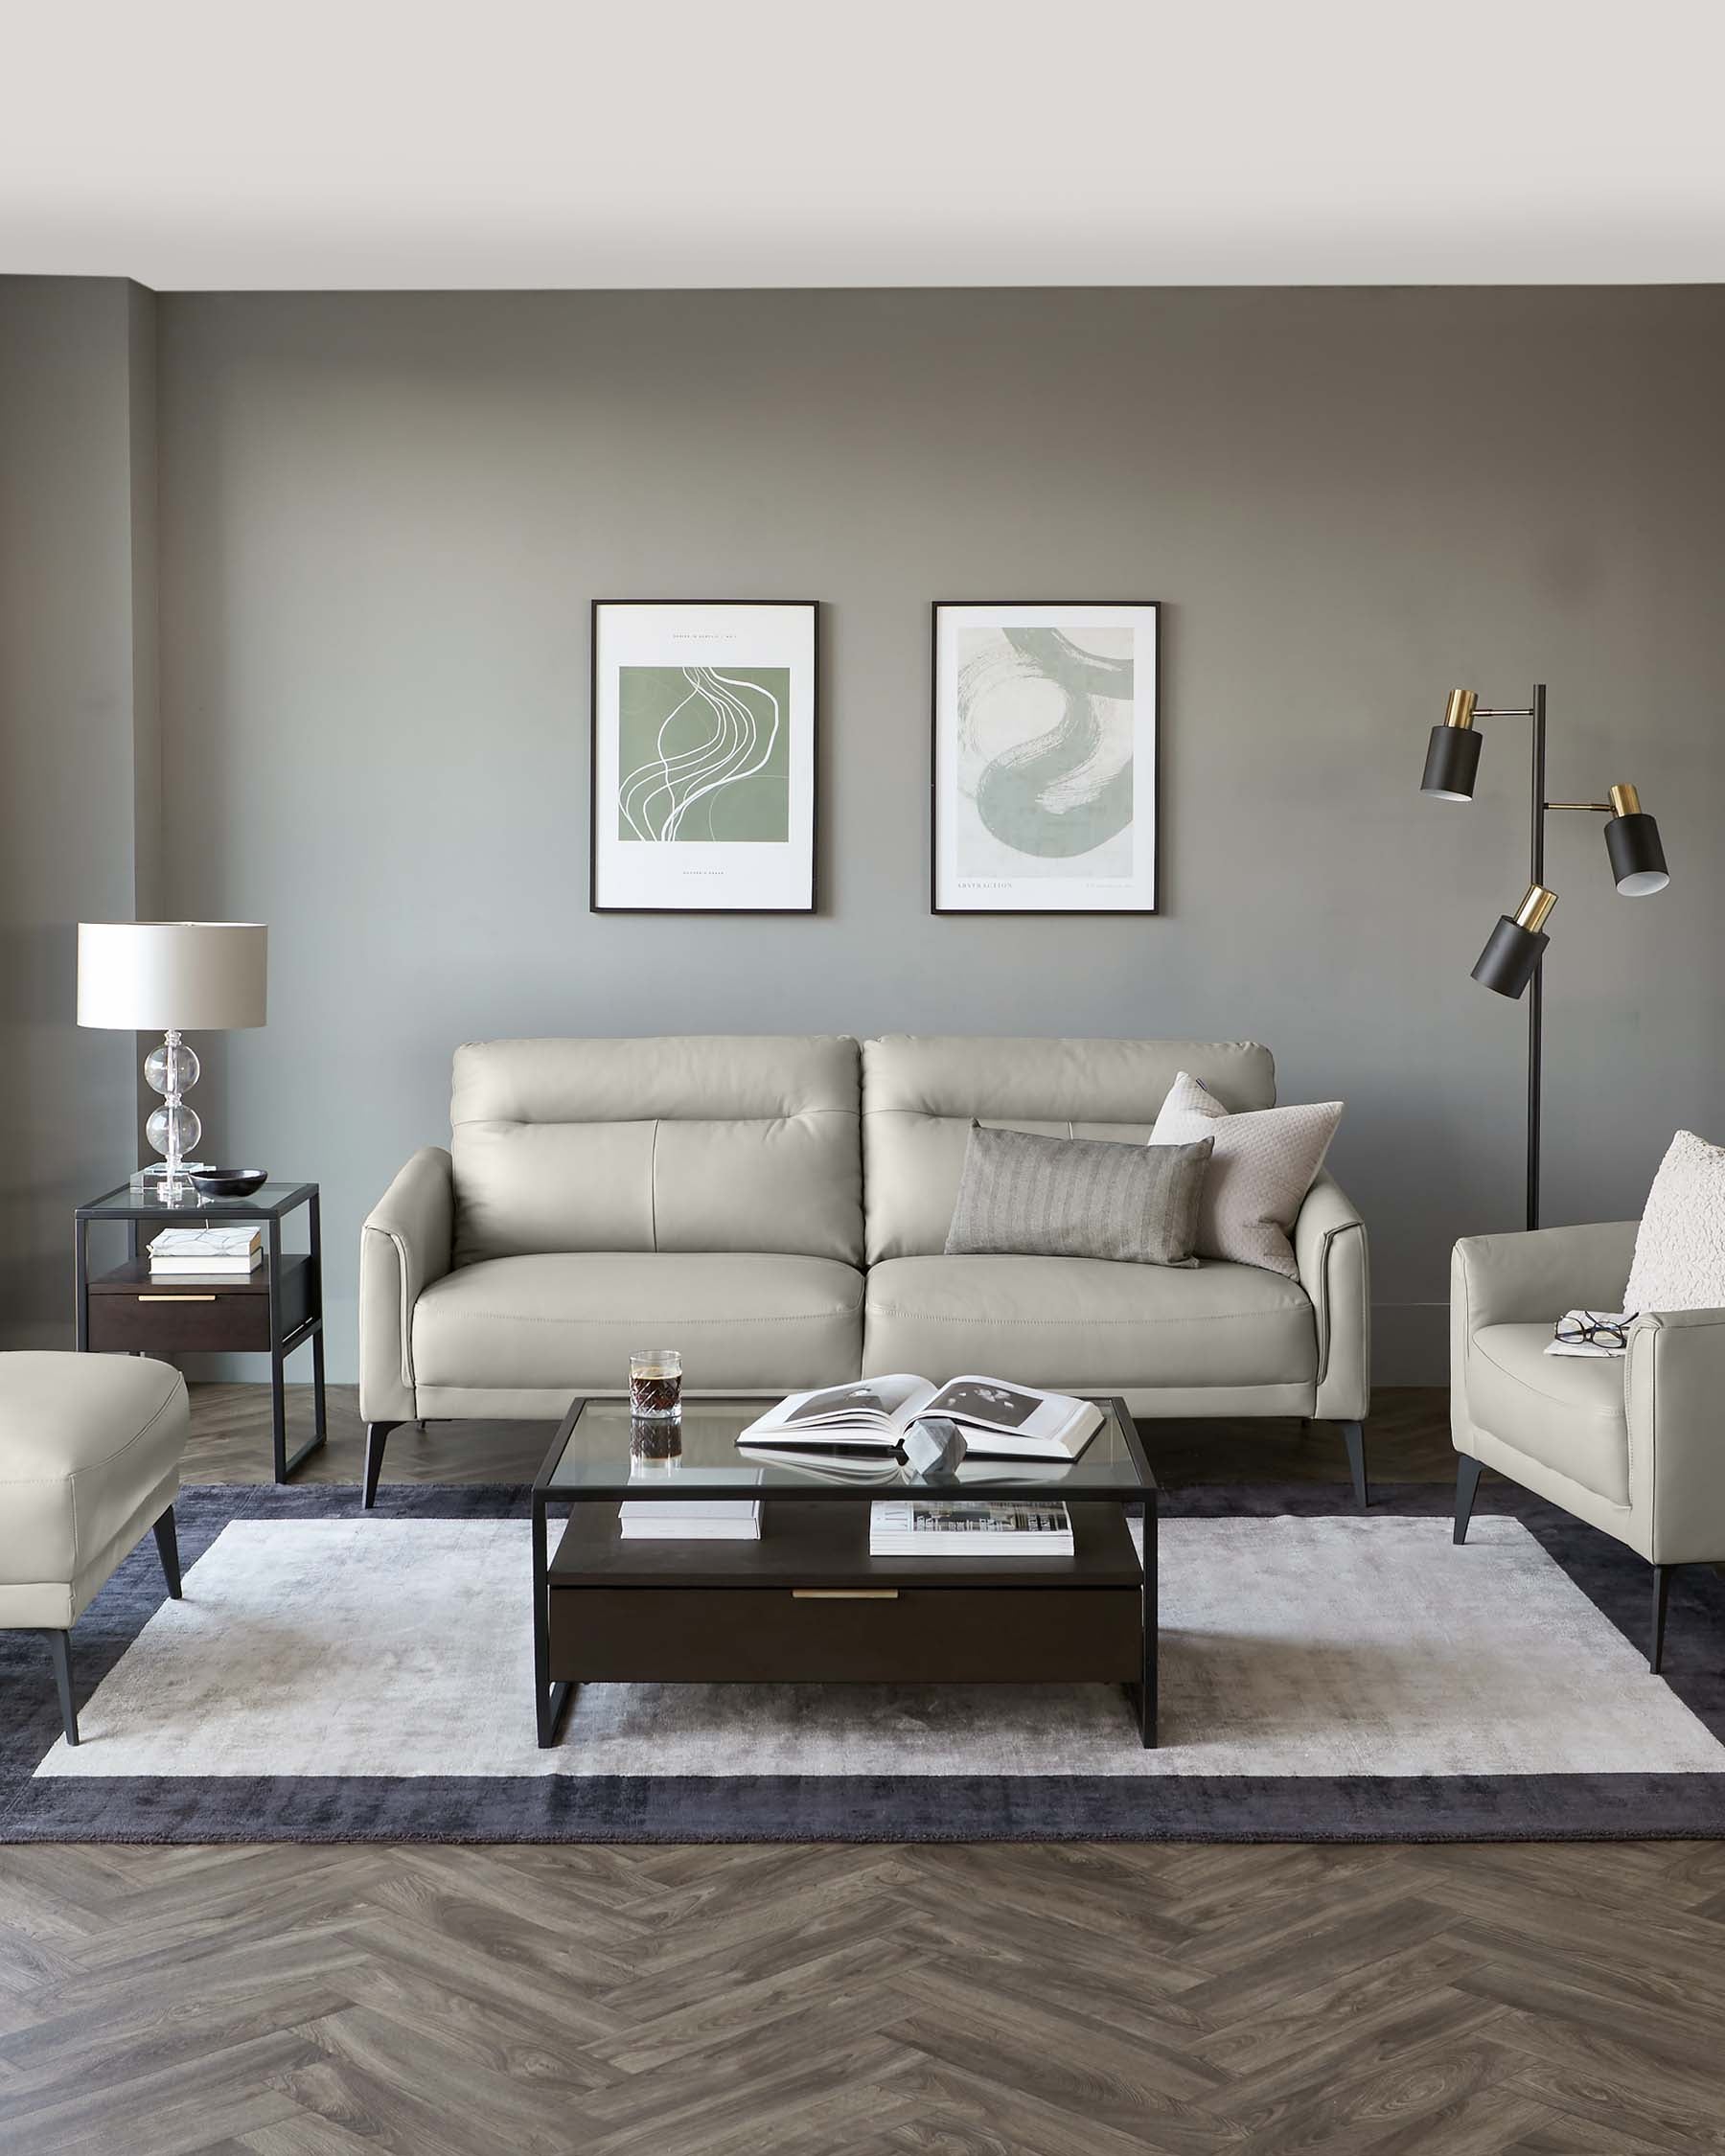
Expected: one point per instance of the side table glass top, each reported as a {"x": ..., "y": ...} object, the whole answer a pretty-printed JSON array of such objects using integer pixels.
[
  {"x": 268, "y": 1203},
  {"x": 590, "y": 1458}
]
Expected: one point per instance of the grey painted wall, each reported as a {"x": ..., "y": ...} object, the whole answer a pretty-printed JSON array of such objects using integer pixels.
[
  {"x": 78, "y": 754},
  {"x": 382, "y": 517}
]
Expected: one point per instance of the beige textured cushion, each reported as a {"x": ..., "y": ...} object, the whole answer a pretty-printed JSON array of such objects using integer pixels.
[
  {"x": 1094, "y": 1197},
  {"x": 743, "y": 1322},
  {"x": 1263, "y": 1164},
  {"x": 90, "y": 1449},
  {"x": 922, "y": 1093},
  {"x": 1679, "y": 1261},
  {"x": 1085, "y": 1325}
]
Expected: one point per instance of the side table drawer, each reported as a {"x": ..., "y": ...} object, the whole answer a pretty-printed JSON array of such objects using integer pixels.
[{"x": 168, "y": 1319}]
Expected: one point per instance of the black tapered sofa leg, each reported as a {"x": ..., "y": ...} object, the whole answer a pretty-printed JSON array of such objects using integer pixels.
[
  {"x": 377, "y": 1437},
  {"x": 59, "y": 1646},
  {"x": 1353, "y": 1436},
  {"x": 1468, "y": 1471},
  {"x": 1661, "y": 1594}
]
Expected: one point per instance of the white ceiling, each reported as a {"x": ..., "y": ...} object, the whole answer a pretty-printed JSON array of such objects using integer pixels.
[{"x": 412, "y": 143}]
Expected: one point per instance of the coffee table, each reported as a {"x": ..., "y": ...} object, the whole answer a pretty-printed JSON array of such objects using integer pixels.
[{"x": 807, "y": 1604}]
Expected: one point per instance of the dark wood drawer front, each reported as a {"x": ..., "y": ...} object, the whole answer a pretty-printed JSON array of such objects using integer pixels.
[
  {"x": 919, "y": 1635},
  {"x": 169, "y": 1319}
]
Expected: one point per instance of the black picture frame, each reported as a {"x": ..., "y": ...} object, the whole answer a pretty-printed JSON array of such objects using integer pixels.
[
  {"x": 597, "y": 607},
  {"x": 938, "y": 608}
]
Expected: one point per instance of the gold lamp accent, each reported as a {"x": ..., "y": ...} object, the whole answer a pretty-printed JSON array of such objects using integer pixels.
[
  {"x": 1535, "y": 909},
  {"x": 1460, "y": 709}
]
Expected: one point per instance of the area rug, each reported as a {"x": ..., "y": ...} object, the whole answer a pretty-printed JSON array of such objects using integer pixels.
[{"x": 1326, "y": 1676}]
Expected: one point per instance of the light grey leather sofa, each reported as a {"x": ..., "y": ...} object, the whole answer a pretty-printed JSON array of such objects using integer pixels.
[
  {"x": 776, "y": 1208},
  {"x": 1630, "y": 1445}
]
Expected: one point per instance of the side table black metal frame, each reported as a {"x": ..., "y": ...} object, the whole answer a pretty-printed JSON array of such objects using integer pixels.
[{"x": 123, "y": 1205}]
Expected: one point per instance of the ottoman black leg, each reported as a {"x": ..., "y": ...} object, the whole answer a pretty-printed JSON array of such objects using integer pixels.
[
  {"x": 168, "y": 1550},
  {"x": 1662, "y": 1593},
  {"x": 59, "y": 1646}
]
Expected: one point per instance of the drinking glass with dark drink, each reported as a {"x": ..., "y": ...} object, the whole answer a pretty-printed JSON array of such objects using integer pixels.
[{"x": 656, "y": 1384}]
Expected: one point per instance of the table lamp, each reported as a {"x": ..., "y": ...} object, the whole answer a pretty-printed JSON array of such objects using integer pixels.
[{"x": 172, "y": 978}]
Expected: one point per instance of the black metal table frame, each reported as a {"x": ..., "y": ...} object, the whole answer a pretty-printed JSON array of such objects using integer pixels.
[
  {"x": 213, "y": 1213},
  {"x": 551, "y": 1701}
]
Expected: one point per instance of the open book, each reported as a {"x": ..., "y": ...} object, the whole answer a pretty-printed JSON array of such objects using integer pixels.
[{"x": 1010, "y": 1421}]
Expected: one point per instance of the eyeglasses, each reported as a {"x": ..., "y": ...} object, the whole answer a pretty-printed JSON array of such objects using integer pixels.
[{"x": 1597, "y": 1332}]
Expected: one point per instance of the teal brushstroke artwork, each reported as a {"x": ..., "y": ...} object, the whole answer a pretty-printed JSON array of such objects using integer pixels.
[{"x": 1044, "y": 741}]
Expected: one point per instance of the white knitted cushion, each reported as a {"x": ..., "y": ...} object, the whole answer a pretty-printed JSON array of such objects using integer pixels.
[
  {"x": 1680, "y": 1245},
  {"x": 1263, "y": 1164}
]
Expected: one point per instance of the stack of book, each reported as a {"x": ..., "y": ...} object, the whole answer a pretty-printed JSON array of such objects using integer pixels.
[
  {"x": 690, "y": 1519},
  {"x": 236, "y": 1252},
  {"x": 923, "y": 1527}
]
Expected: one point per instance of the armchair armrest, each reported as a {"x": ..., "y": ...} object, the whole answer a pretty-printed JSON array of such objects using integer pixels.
[
  {"x": 404, "y": 1245},
  {"x": 1673, "y": 1386},
  {"x": 1532, "y": 1278},
  {"x": 1329, "y": 1249}
]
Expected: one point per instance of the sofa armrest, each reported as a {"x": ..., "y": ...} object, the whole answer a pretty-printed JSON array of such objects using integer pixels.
[
  {"x": 406, "y": 1243},
  {"x": 1532, "y": 1278},
  {"x": 1673, "y": 1382},
  {"x": 1329, "y": 1249}
]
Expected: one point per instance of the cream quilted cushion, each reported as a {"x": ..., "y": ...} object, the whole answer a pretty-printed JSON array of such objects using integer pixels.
[
  {"x": 1264, "y": 1162},
  {"x": 1680, "y": 1245}
]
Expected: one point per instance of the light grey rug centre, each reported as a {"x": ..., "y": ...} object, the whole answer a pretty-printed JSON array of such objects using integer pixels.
[{"x": 1292, "y": 1646}]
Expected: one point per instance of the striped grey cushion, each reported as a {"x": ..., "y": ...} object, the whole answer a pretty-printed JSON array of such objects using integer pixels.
[{"x": 1048, "y": 1197}]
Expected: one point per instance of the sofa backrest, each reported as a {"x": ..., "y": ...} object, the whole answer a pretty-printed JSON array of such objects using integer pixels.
[
  {"x": 920, "y": 1095},
  {"x": 691, "y": 1143}
]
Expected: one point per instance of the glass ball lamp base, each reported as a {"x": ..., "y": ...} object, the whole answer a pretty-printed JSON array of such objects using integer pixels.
[{"x": 174, "y": 1130}]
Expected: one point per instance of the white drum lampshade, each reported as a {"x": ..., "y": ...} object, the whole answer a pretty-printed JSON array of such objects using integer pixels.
[
  {"x": 172, "y": 978},
  {"x": 180, "y": 976}
]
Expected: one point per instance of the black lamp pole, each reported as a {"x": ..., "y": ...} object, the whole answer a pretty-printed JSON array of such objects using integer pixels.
[
  {"x": 1510, "y": 962},
  {"x": 1537, "y": 986}
]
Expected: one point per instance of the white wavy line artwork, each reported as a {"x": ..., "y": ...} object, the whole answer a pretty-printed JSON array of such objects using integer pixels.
[{"x": 655, "y": 799}]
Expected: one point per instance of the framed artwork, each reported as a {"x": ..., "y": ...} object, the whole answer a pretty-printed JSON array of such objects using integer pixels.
[
  {"x": 1046, "y": 758},
  {"x": 703, "y": 756}
]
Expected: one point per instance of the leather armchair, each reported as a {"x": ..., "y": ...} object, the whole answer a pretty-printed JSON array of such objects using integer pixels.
[{"x": 1628, "y": 1444}]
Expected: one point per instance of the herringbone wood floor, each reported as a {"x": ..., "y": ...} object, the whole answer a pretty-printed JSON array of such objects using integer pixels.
[{"x": 796, "y": 2002}]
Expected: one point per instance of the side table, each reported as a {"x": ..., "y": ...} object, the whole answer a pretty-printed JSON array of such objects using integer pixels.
[{"x": 275, "y": 1309}]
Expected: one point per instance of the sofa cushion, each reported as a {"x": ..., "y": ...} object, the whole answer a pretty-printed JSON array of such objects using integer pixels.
[
  {"x": 1564, "y": 1411},
  {"x": 743, "y": 1321},
  {"x": 694, "y": 1143},
  {"x": 1031, "y": 1196},
  {"x": 90, "y": 1449},
  {"x": 1085, "y": 1324},
  {"x": 922, "y": 1093}
]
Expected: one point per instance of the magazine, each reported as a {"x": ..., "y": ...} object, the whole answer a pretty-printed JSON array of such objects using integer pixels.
[
  {"x": 1011, "y": 1421},
  {"x": 924, "y": 1528}
]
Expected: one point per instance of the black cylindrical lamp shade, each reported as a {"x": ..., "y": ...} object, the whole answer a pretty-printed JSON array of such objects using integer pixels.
[
  {"x": 1638, "y": 862},
  {"x": 1505, "y": 966},
  {"x": 1452, "y": 760}
]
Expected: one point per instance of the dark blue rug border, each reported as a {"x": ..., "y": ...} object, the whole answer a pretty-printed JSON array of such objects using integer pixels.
[{"x": 863, "y": 1808}]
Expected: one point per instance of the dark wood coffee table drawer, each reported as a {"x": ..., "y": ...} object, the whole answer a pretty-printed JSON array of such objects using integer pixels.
[
  {"x": 130, "y": 1311},
  {"x": 923, "y": 1635}
]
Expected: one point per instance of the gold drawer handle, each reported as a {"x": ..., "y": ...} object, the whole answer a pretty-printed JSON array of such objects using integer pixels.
[
  {"x": 177, "y": 1298},
  {"x": 845, "y": 1594}
]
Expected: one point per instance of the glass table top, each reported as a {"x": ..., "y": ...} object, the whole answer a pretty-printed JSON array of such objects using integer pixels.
[
  {"x": 127, "y": 1204},
  {"x": 593, "y": 1456}
]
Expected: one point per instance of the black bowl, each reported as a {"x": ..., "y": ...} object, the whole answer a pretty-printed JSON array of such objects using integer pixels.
[{"x": 229, "y": 1183}]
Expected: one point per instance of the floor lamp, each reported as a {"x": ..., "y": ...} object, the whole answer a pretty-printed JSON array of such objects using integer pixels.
[{"x": 1510, "y": 961}]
